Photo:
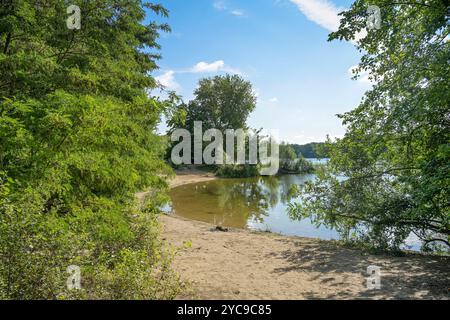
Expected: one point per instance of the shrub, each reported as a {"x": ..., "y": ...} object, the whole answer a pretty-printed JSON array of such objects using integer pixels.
[{"x": 237, "y": 171}]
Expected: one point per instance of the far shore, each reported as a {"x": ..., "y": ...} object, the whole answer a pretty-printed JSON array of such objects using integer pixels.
[{"x": 241, "y": 264}]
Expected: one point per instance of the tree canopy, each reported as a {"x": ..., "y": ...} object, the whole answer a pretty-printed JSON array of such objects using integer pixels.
[
  {"x": 287, "y": 152},
  {"x": 221, "y": 102},
  {"x": 389, "y": 176},
  {"x": 77, "y": 141}
]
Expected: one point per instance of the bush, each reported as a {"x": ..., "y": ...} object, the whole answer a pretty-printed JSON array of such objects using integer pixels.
[
  {"x": 237, "y": 171},
  {"x": 81, "y": 209},
  {"x": 299, "y": 165}
]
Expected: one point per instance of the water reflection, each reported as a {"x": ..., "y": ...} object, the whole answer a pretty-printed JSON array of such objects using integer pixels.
[{"x": 255, "y": 203}]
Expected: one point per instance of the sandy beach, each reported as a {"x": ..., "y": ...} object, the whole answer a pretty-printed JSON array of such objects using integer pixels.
[{"x": 241, "y": 264}]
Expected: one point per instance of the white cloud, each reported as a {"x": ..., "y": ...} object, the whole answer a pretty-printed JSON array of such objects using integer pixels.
[
  {"x": 238, "y": 13},
  {"x": 208, "y": 67},
  {"x": 322, "y": 12},
  {"x": 221, "y": 5},
  {"x": 325, "y": 14},
  {"x": 216, "y": 66},
  {"x": 274, "y": 100},
  {"x": 167, "y": 80}
]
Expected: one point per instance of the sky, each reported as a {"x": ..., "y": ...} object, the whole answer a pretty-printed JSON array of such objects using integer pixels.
[{"x": 301, "y": 80}]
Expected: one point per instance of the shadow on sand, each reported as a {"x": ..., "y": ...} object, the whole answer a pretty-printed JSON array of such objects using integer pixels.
[{"x": 413, "y": 276}]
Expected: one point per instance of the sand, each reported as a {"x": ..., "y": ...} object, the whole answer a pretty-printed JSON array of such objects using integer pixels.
[{"x": 241, "y": 264}]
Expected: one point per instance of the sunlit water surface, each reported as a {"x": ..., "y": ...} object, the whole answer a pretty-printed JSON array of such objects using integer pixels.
[{"x": 253, "y": 203}]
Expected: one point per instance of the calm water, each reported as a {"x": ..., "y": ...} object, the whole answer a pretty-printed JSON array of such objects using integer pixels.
[{"x": 253, "y": 203}]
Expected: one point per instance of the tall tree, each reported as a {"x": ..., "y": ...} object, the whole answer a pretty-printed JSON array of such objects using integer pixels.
[
  {"x": 77, "y": 141},
  {"x": 287, "y": 152},
  {"x": 395, "y": 156},
  {"x": 222, "y": 102}
]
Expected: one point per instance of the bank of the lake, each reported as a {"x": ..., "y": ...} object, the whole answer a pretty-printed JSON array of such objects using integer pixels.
[{"x": 241, "y": 264}]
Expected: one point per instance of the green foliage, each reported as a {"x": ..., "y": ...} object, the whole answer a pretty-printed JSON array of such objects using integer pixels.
[
  {"x": 77, "y": 142},
  {"x": 311, "y": 150},
  {"x": 287, "y": 152},
  {"x": 221, "y": 102},
  {"x": 291, "y": 163},
  {"x": 237, "y": 171},
  {"x": 300, "y": 165},
  {"x": 390, "y": 175}
]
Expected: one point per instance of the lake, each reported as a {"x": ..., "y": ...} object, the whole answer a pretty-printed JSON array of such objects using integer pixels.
[
  {"x": 251, "y": 203},
  {"x": 258, "y": 203}
]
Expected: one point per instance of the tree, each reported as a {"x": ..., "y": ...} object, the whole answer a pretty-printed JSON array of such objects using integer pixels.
[
  {"x": 291, "y": 163},
  {"x": 287, "y": 152},
  {"x": 310, "y": 150},
  {"x": 77, "y": 141},
  {"x": 395, "y": 155},
  {"x": 221, "y": 102}
]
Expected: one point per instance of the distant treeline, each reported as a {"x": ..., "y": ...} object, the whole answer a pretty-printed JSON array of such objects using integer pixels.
[{"x": 311, "y": 150}]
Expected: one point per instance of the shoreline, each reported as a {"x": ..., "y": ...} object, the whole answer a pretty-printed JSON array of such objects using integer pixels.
[
  {"x": 244, "y": 264},
  {"x": 189, "y": 176}
]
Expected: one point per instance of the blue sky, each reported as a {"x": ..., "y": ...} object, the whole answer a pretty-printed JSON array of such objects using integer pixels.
[{"x": 301, "y": 80}]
